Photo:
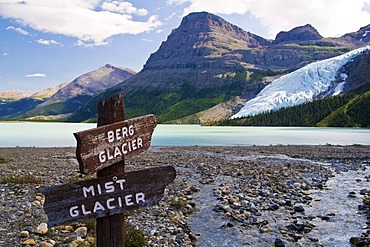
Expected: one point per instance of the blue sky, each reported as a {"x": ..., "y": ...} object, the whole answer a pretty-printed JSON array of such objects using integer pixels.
[{"x": 46, "y": 42}]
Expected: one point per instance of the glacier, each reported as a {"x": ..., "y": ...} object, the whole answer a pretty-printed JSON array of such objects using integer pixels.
[{"x": 318, "y": 79}]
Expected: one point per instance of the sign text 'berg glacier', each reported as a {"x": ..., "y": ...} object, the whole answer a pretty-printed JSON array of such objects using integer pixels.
[{"x": 103, "y": 146}]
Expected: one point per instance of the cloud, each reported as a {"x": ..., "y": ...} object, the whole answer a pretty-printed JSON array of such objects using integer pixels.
[
  {"x": 147, "y": 40},
  {"x": 18, "y": 30},
  {"x": 48, "y": 42},
  {"x": 5, "y": 54},
  {"x": 36, "y": 75},
  {"x": 330, "y": 17},
  {"x": 123, "y": 8},
  {"x": 92, "y": 22}
]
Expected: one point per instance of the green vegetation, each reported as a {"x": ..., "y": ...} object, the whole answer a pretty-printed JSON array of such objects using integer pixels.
[
  {"x": 3, "y": 160},
  {"x": 179, "y": 202},
  {"x": 167, "y": 106},
  {"x": 134, "y": 237},
  {"x": 366, "y": 199},
  {"x": 9, "y": 109},
  {"x": 347, "y": 110},
  {"x": 58, "y": 107},
  {"x": 27, "y": 179}
]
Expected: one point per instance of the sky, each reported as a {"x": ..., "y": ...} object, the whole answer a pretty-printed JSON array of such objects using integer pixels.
[{"x": 44, "y": 43}]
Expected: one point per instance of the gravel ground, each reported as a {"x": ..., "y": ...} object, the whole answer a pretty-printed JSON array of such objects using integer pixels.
[{"x": 222, "y": 196}]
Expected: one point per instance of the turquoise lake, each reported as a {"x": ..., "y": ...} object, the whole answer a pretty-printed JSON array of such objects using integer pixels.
[{"x": 35, "y": 134}]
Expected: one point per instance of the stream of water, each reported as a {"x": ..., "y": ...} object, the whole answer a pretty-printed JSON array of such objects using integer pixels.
[{"x": 214, "y": 229}]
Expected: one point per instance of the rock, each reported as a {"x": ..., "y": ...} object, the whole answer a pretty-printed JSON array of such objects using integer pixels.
[
  {"x": 45, "y": 244},
  {"x": 288, "y": 202},
  {"x": 298, "y": 208},
  {"x": 24, "y": 234},
  {"x": 274, "y": 206},
  {"x": 91, "y": 240},
  {"x": 354, "y": 240},
  {"x": 52, "y": 242},
  {"x": 352, "y": 194},
  {"x": 233, "y": 200},
  {"x": 76, "y": 243},
  {"x": 81, "y": 232},
  {"x": 68, "y": 228},
  {"x": 42, "y": 228},
  {"x": 265, "y": 229},
  {"x": 279, "y": 243},
  {"x": 227, "y": 209},
  {"x": 363, "y": 192},
  {"x": 229, "y": 224},
  {"x": 30, "y": 242}
]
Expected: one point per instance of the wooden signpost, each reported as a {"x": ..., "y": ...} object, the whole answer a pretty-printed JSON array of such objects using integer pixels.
[
  {"x": 106, "y": 145},
  {"x": 105, "y": 196},
  {"x": 113, "y": 192}
]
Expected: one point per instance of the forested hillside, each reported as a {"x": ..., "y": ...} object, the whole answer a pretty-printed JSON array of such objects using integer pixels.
[{"x": 347, "y": 110}]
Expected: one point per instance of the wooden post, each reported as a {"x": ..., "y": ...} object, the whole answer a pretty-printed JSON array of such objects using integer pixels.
[{"x": 110, "y": 231}]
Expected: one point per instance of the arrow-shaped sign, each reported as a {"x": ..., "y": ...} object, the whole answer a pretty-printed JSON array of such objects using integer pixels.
[{"x": 106, "y": 145}]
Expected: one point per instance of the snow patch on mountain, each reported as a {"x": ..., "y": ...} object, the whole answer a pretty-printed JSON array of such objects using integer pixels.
[{"x": 316, "y": 80}]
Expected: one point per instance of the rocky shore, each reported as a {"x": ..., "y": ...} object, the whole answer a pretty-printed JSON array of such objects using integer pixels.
[{"x": 222, "y": 196}]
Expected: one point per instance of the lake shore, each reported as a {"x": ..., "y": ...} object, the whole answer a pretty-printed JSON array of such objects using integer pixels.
[{"x": 222, "y": 196}]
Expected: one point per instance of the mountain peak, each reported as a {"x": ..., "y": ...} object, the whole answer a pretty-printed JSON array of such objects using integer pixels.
[
  {"x": 298, "y": 35},
  {"x": 201, "y": 36},
  {"x": 204, "y": 21},
  {"x": 362, "y": 36}
]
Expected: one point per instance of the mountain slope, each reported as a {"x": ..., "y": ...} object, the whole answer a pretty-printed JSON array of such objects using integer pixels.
[
  {"x": 319, "y": 79},
  {"x": 91, "y": 83},
  {"x": 75, "y": 94},
  {"x": 13, "y": 95}
]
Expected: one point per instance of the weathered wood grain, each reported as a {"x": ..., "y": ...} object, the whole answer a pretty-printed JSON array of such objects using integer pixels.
[
  {"x": 110, "y": 231},
  {"x": 144, "y": 188},
  {"x": 105, "y": 145}
]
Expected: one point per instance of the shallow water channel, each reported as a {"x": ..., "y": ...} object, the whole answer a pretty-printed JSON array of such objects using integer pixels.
[{"x": 344, "y": 221}]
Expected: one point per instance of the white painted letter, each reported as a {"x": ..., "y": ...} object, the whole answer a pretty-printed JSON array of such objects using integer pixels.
[
  {"x": 131, "y": 130},
  {"x": 87, "y": 190},
  {"x": 109, "y": 187},
  {"x": 84, "y": 211},
  {"x": 133, "y": 143},
  {"x": 139, "y": 142},
  {"x": 128, "y": 200},
  {"x": 121, "y": 182},
  {"x": 73, "y": 211},
  {"x": 124, "y": 151},
  {"x": 118, "y": 134},
  {"x": 110, "y": 135},
  {"x": 117, "y": 152},
  {"x": 102, "y": 157},
  {"x": 98, "y": 206},
  {"x": 109, "y": 206},
  {"x": 140, "y": 197}
]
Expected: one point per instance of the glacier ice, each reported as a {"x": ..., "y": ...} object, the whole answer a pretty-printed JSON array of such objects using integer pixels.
[{"x": 301, "y": 86}]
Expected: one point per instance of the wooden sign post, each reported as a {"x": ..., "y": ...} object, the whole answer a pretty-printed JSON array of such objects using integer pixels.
[
  {"x": 106, "y": 196},
  {"x": 113, "y": 192},
  {"x": 110, "y": 231}
]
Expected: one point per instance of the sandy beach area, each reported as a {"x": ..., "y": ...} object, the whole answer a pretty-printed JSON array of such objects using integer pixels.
[{"x": 222, "y": 196}]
